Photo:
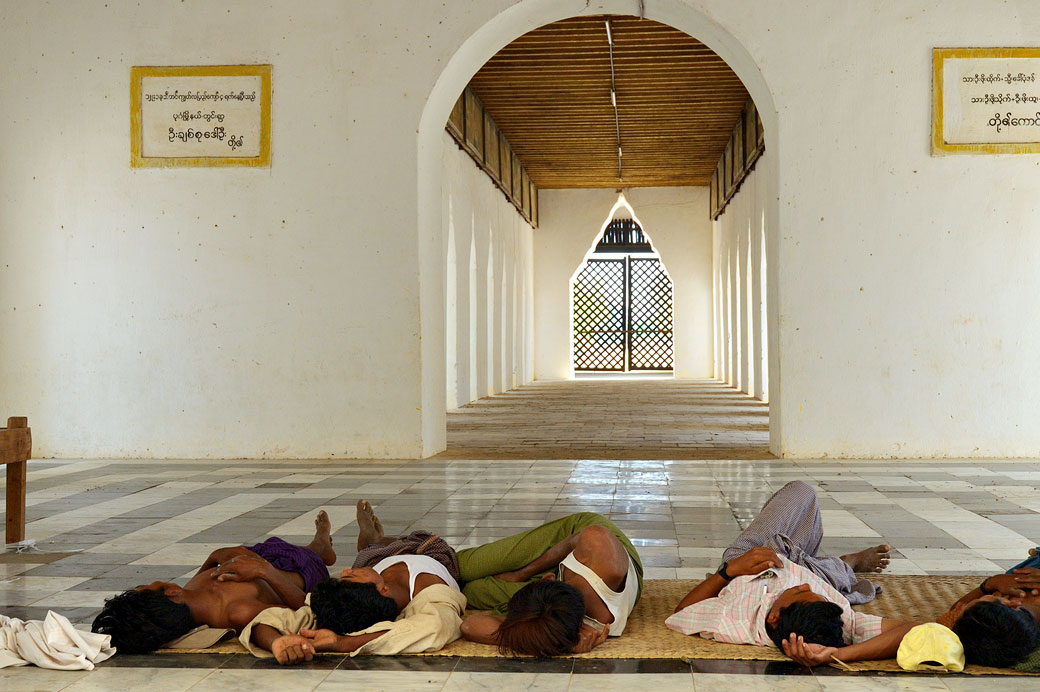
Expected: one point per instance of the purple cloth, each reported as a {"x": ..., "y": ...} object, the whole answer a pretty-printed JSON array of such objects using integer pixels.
[{"x": 293, "y": 558}]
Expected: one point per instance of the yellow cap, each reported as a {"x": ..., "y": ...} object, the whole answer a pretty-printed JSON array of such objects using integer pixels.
[{"x": 931, "y": 645}]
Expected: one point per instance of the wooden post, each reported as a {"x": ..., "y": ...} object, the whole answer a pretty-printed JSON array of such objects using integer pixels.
[{"x": 15, "y": 450}]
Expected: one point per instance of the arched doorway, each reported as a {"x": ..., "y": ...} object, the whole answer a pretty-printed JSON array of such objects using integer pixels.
[
  {"x": 621, "y": 304},
  {"x": 472, "y": 54}
]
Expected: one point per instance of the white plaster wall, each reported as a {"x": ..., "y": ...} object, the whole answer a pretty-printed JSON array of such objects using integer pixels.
[
  {"x": 216, "y": 312},
  {"x": 676, "y": 219},
  {"x": 477, "y": 215},
  {"x": 313, "y": 321},
  {"x": 737, "y": 242}
]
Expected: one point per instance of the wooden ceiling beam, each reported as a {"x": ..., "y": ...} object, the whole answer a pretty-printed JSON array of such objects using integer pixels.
[{"x": 549, "y": 93}]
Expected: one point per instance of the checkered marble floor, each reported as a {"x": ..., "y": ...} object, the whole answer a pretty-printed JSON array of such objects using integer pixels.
[{"x": 105, "y": 526}]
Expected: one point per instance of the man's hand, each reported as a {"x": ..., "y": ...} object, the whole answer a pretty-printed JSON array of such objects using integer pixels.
[
  {"x": 752, "y": 562},
  {"x": 589, "y": 638},
  {"x": 242, "y": 568},
  {"x": 808, "y": 655},
  {"x": 291, "y": 649},
  {"x": 514, "y": 576},
  {"x": 1020, "y": 584},
  {"x": 321, "y": 640}
]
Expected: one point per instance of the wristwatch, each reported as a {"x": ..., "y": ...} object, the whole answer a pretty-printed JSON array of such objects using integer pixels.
[
  {"x": 983, "y": 589},
  {"x": 721, "y": 571}
]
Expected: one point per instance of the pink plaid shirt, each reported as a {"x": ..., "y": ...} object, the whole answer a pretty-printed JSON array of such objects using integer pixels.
[{"x": 738, "y": 614}]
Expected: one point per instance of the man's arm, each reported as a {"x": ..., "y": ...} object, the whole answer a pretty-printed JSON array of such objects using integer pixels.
[
  {"x": 1019, "y": 584},
  {"x": 223, "y": 555},
  {"x": 482, "y": 629},
  {"x": 248, "y": 568},
  {"x": 549, "y": 559},
  {"x": 287, "y": 649},
  {"x": 329, "y": 641},
  {"x": 752, "y": 562},
  {"x": 883, "y": 646}
]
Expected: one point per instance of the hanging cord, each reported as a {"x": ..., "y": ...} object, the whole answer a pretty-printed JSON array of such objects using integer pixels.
[{"x": 613, "y": 99}]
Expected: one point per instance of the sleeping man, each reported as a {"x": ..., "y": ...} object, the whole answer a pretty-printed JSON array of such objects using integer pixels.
[
  {"x": 231, "y": 587},
  {"x": 774, "y": 588},
  {"x": 999, "y": 622},
  {"x": 401, "y": 596},
  {"x": 559, "y": 588}
]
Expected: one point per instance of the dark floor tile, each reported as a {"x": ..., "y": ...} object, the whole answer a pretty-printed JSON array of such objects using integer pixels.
[
  {"x": 749, "y": 667},
  {"x": 144, "y": 574},
  {"x": 60, "y": 569},
  {"x": 250, "y": 662},
  {"x": 115, "y": 584},
  {"x": 422, "y": 664},
  {"x": 514, "y": 665},
  {"x": 166, "y": 661},
  {"x": 587, "y": 666}
]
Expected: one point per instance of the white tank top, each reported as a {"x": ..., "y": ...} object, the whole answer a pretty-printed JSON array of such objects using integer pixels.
[
  {"x": 620, "y": 604},
  {"x": 418, "y": 564}
]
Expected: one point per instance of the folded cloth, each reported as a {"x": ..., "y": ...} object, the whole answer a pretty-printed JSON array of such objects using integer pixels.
[{"x": 51, "y": 643}]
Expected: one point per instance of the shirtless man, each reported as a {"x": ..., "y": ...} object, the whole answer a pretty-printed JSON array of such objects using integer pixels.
[
  {"x": 231, "y": 587},
  {"x": 562, "y": 587},
  {"x": 414, "y": 577}
]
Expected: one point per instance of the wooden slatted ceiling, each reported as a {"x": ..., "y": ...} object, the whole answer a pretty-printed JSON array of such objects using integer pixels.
[{"x": 549, "y": 92}]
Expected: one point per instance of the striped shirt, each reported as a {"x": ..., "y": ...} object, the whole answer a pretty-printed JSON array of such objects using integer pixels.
[{"x": 738, "y": 614}]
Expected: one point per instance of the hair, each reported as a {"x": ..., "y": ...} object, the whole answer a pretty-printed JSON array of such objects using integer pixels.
[
  {"x": 543, "y": 619},
  {"x": 141, "y": 621},
  {"x": 817, "y": 622},
  {"x": 345, "y": 607},
  {"x": 996, "y": 635}
]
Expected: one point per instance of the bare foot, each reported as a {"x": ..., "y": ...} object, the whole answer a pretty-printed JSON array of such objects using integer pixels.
[
  {"x": 870, "y": 560},
  {"x": 322, "y": 543},
  {"x": 370, "y": 529}
]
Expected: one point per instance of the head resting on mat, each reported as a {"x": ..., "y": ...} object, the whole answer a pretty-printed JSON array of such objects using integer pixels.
[
  {"x": 543, "y": 619},
  {"x": 806, "y": 614},
  {"x": 357, "y": 600},
  {"x": 143, "y": 619},
  {"x": 998, "y": 632}
]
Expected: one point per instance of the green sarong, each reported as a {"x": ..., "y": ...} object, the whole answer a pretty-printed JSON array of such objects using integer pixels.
[{"x": 477, "y": 565}]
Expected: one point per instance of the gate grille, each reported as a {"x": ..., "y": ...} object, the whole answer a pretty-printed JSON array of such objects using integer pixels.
[
  {"x": 650, "y": 316},
  {"x": 622, "y": 316},
  {"x": 599, "y": 316}
]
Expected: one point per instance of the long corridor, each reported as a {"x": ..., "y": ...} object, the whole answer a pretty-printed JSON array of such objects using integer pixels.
[{"x": 615, "y": 418}]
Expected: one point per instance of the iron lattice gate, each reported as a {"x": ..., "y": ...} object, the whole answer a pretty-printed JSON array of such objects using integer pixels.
[{"x": 623, "y": 316}]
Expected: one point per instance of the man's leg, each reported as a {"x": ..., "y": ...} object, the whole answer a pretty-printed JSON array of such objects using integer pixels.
[
  {"x": 794, "y": 511},
  {"x": 374, "y": 546},
  {"x": 304, "y": 565},
  {"x": 791, "y": 524},
  {"x": 370, "y": 529},
  {"x": 478, "y": 565}
]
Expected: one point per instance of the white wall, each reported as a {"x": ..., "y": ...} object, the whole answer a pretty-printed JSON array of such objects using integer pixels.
[
  {"x": 489, "y": 347},
  {"x": 675, "y": 219},
  {"x": 300, "y": 310},
  {"x": 739, "y": 277}
]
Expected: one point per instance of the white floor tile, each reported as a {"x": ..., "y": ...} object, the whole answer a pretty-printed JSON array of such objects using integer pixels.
[{"x": 512, "y": 682}]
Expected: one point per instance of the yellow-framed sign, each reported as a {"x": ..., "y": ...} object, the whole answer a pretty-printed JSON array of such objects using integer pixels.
[
  {"x": 985, "y": 101},
  {"x": 208, "y": 115}
]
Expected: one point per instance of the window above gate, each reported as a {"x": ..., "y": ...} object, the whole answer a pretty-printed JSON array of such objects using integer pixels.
[{"x": 623, "y": 235}]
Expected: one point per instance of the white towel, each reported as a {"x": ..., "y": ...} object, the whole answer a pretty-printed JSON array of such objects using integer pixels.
[{"x": 51, "y": 643}]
